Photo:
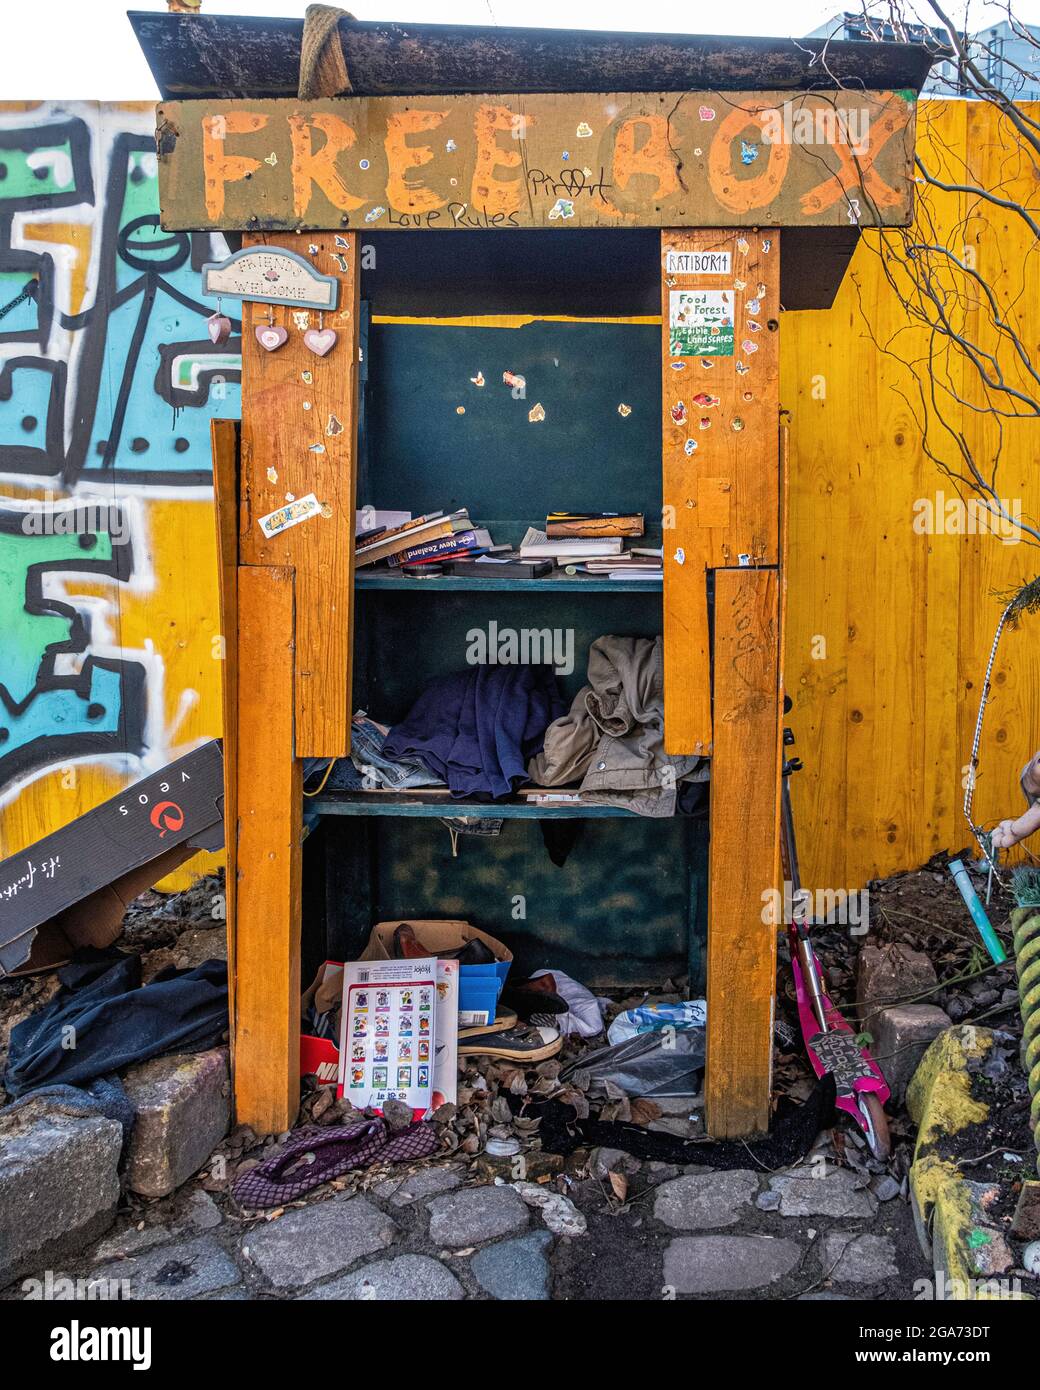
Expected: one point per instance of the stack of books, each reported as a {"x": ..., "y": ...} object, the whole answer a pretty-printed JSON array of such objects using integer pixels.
[
  {"x": 634, "y": 564},
  {"x": 424, "y": 540},
  {"x": 593, "y": 543},
  {"x": 439, "y": 543},
  {"x": 536, "y": 545}
]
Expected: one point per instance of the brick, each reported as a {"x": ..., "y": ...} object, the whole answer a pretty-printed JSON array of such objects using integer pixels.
[
  {"x": 476, "y": 1214},
  {"x": 1026, "y": 1222},
  {"x": 727, "y": 1264},
  {"x": 901, "y": 1038},
  {"x": 886, "y": 975},
  {"x": 59, "y": 1186},
  {"x": 183, "y": 1112},
  {"x": 705, "y": 1201},
  {"x": 312, "y": 1243}
]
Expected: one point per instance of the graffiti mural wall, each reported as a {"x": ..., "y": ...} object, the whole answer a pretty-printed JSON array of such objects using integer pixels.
[{"x": 110, "y": 658}]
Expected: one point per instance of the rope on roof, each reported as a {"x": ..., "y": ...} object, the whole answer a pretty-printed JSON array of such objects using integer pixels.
[{"x": 323, "y": 68}]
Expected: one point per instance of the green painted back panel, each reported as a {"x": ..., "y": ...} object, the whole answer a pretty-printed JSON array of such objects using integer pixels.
[
  {"x": 423, "y": 455},
  {"x": 628, "y": 906},
  {"x": 623, "y": 909},
  {"x": 404, "y": 640}
]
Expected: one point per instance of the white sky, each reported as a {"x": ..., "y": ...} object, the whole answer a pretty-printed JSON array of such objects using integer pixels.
[{"x": 86, "y": 48}]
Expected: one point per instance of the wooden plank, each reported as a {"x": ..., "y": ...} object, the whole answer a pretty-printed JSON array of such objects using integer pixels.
[
  {"x": 744, "y": 852},
  {"x": 299, "y": 437},
  {"x": 906, "y": 631},
  {"x": 224, "y": 445},
  {"x": 270, "y": 811},
  {"x": 652, "y": 159},
  {"x": 824, "y": 484},
  {"x": 720, "y": 446}
]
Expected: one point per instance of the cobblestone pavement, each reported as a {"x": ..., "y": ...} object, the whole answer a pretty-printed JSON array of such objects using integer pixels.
[{"x": 814, "y": 1232}]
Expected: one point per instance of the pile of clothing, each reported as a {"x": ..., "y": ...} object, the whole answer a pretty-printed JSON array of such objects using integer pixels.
[
  {"x": 114, "y": 1022},
  {"x": 478, "y": 729},
  {"x": 489, "y": 730},
  {"x": 611, "y": 741}
]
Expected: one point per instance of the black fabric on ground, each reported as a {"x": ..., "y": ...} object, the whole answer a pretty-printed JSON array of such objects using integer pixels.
[
  {"x": 793, "y": 1132},
  {"x": 117, "y": 1021}
]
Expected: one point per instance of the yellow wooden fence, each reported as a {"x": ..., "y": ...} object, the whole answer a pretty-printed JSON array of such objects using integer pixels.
[{"x": 890, "y": 619}]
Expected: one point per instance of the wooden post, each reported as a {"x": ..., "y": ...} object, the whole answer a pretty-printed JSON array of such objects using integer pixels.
[
  {"x": 299, "y": 436},
  {"x": 225, "y": 447},
  {"x": 290, "y": 658},
  {"x": 721, "y": 486},
  {"x": 268, "y": 856},
  {"x": 742, "y": 860}
]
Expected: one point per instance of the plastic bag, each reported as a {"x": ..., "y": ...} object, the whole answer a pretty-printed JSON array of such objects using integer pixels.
[
  {"x": 657, "y": 1063},
  {"x": 584, "y": 1016},
  {"x": 691, "y": 1014}
]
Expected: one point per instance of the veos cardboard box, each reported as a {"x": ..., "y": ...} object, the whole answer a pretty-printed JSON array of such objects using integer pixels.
[
  {"x": 479, "y": 985},
  {"x": 72, "y": 888}
]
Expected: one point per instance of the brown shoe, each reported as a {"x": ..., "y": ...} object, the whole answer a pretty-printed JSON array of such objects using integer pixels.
[{"x": 407, "y": 945}]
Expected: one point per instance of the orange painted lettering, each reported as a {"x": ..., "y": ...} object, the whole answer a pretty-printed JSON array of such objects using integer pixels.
[
  {"x": 487, "y": 191},
  {"x": 402, "y": 193},
  {"x": 219, "y": 167},
  {"x": 858, "y": 171},
  {"x": 642, "y": 148},
  {"x": 318, "y": 166},
  {"x": 737, "y": 194}
]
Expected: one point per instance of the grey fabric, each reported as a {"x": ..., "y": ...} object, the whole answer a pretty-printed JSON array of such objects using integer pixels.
[
  {"x": 103, "y": 1096},
  {"x": 611, "y": 740}
]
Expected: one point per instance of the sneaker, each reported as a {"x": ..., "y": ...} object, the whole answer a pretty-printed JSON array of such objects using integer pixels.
[{"x": 521, "y": 1044}]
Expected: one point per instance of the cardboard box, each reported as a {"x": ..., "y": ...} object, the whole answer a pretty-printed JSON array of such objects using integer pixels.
[
  {"x": 72, "y": 888},
  {"x": 479, "y": 985}
]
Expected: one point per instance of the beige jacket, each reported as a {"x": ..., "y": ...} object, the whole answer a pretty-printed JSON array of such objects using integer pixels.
[{"x": 611, "y": 740}]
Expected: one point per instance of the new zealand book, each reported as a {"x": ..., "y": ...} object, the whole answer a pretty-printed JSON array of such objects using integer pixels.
[
  {"x": 444, "y": 547},
  {"x": 423, "y": 528}
]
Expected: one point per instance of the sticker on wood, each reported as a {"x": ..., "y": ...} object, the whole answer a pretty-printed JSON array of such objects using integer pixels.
[{"x": 720, "y": 319}]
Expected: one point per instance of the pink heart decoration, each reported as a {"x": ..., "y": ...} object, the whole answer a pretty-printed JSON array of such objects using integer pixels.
[
  {"x": 219, "y": 328},
  {"x": 320, "y": 340},
  {"x": 271, "y": 336}
]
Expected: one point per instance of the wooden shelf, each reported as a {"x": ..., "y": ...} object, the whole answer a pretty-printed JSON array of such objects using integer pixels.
[
  {"x": 452, "y": 583},
  {"x": 440, "y": 804}
]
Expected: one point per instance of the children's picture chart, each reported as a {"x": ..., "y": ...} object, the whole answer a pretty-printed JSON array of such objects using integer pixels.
[
  {"x": 387, "y": 1041},
  {"x": 700, "y": 323}
]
